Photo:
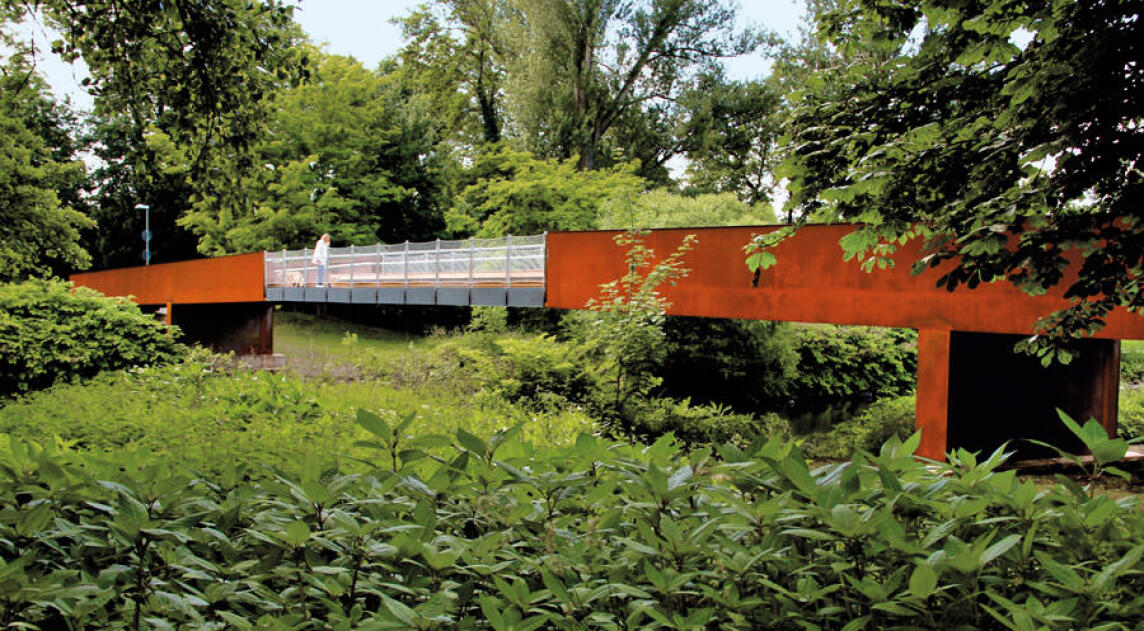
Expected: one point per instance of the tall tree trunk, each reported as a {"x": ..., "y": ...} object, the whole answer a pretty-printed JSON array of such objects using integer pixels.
[
  {"x": 588, "y": 145},
  {"x": 486, "y": 99}
]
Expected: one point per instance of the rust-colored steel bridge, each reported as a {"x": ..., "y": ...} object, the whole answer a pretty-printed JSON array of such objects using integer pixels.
[{"x": 972, "y": 390}]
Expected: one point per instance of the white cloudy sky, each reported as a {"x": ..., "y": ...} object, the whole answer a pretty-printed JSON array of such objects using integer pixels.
[{"x": 362, "y": 28}]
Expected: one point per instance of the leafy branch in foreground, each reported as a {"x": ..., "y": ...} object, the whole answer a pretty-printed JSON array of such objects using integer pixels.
[
  {"x": 1005, "y": 136},
  {"x": 1104, "y": 450}
]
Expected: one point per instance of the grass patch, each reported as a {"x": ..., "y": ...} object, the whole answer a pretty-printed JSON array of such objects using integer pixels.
[
  {"x": 204, "y": 416},
  {"x": 330, "y": 349}
]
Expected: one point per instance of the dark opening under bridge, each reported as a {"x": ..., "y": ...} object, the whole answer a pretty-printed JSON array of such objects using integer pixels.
[{"x": 972, "y": 390}]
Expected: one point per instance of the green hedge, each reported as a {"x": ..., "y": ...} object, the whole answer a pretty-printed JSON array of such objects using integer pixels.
[
  {"x": 497, "y": 535},
  {"x": 702, "y": 425},
  {"x": 1131, "y": 366},
  {"x": 883, "y": 420},
  {"x": 51, "y": 332},
  {"x": 1131, "y": 414},
  {"x": 837, "y": 362}
]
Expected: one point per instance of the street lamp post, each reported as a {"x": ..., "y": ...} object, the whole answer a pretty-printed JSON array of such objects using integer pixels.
[{"x": 146, "y": 232}]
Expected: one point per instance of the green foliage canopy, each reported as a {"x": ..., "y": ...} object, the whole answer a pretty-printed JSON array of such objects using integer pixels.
[
  {"x": 512, "y": 192},
  {"x": 39, "y": 229},
  {"x": 581, "y": 65},
  {"x": 189, "y": 84},
  {"x": 347, "y": 153},
  {"x": 1005, "y": 134},
  {"x": 454, "y": 59},
  {"x": 731, "y": 133},
  {"x": 660, "y": 208}
]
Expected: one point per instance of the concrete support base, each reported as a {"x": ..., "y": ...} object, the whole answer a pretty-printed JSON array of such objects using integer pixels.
[
  {"x": 975, "y": 393},
  {"x": 272, "y": 362},
  {"x": 246, "y": 328}
]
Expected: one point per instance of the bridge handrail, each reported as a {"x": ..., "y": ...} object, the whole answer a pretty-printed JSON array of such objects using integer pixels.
[{"x": 511, "y": 261}]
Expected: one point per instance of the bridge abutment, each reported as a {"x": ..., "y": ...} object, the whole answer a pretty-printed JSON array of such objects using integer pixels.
[{"x": 974, "y": 392}]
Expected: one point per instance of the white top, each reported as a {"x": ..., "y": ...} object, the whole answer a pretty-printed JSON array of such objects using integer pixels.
[{"x": 321, "y": 253}]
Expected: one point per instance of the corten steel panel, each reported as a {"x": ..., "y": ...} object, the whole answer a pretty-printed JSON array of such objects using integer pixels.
[
  {"x": 236, "y": 278},
  {"x": 931, "y": 411},
  {"x": 810, "y": 283}
]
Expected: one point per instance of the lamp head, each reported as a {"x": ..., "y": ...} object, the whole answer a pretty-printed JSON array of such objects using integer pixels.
[{"x": 142, "y": 207}]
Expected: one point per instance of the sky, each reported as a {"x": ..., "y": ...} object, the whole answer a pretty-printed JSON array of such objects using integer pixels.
[{"x": 362, "y": 29}]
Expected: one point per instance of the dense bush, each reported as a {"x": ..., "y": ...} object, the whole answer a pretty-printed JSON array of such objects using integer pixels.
[
  {"x": 846, "y": 362},
  {"x": 744, "y": 363},
  {"x": 1131, "y": 366},
  {"x": 518, "y": 368},
  {"x": 702, "y": 425},
  {"x": 1131, "y": 413},
  {"x": 593, "y": 536},
  {"x": 51, "y": 332},
  {"x": 193, "y": 412},
  {"x": 883, "y": 420}
]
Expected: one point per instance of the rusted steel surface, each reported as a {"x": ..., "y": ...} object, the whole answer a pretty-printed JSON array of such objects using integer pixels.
[
  {"x": 225, "y": 279},
  {"x": 931, "y": 410},
  {"x": 810, "y": 283}
]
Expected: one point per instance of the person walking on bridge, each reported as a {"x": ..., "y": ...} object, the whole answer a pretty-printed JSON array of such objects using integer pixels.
[{"x": 321, "y": 257}]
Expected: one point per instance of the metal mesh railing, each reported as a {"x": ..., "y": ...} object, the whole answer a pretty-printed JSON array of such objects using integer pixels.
[{"x": 501, "y": 262}]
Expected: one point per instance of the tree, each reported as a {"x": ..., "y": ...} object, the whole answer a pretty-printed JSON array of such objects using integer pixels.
[
  {"x": 347, "y": 153},
  {"x": 1006, "y": 135},
  {"x": 120, "y": 186},
  {"x": 661, "y": 208},
  {"x": 583, "y": 64},
  {"x": 512, "y": 192},
  {"x": 40, "y": 179},
  {"x": 195, "y": 75},
  {"x": 731, "y": 135},
  {"x": 457, "y": 61}
]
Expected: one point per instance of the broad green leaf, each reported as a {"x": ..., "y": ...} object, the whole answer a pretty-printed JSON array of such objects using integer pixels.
[
  {"x": 923, "y": 581},
  {"x": 296, "y": 533},
  {"x": 373, "y": 423},
  {"x": 472, "y": 443}
]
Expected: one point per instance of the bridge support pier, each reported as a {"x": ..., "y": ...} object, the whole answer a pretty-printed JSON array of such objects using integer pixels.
[
  {"x": 246, "y": 328},
  {"x": 974, "y": 392}
]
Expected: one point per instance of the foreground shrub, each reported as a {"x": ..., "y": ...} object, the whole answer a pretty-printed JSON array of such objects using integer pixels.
[
  {"x": 882, "y": 421},
  {"x": 597, "y": 535},
  {"x": 51, "y": 332}
]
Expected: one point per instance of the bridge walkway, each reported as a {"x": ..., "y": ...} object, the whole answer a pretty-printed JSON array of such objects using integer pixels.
[{"x": 507, "y": 271}]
